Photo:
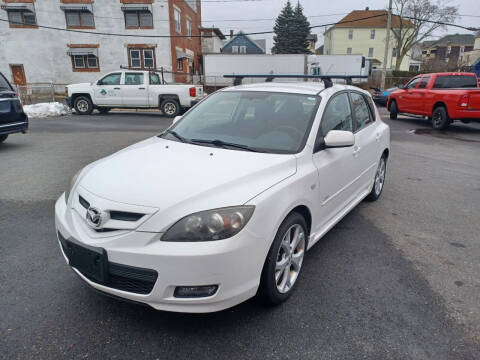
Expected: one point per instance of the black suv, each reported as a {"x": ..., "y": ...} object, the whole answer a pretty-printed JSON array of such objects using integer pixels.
[{"x": 12, "y": 117}]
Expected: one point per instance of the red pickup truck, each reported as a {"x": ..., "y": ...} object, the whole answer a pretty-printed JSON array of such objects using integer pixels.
[{"x": 442, "y": 97}]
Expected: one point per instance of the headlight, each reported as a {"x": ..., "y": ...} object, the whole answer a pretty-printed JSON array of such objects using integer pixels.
[
  {"x": 210, "y": 225},
  {"x": 72, "y": 183}
]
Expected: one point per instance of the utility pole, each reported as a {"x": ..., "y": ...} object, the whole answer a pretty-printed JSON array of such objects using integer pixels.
[{"x": 387, "y": 43}]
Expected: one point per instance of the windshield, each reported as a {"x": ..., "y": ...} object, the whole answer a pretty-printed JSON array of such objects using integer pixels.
[
  {"x": 249, "y": 120},
  {"x": 4, "y": 85}
]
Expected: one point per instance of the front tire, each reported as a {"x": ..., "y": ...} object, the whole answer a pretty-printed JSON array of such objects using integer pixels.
[
  {"x": 440, "y": 119},
  {"x": 3, "y": 138},
  {"x": 379, "y": 180},
  {"x": 83, "y": 105},
  {"x": 284, "y": 260},
  {"x": 170, "y": 108},
  {"x": 393, "y": 110}
]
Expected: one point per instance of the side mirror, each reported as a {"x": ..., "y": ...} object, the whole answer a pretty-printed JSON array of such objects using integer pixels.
[
  {"x": 339, "y": 138},
  {"x": 401, "y": 86},
  {"x": 178, "y": 117}
]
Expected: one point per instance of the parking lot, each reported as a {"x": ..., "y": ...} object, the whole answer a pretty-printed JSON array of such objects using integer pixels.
[{"x": 395, "y": 279}]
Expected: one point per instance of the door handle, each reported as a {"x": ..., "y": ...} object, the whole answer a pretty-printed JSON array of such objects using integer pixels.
[
  {"x": 356, "y": 150},
  {"x": 378, "y": 136},
  {"x": 116, "y": 88},
  {"x": 141, "y": 88}
]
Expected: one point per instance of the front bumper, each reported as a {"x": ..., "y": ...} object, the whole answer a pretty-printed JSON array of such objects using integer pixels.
[
  {"x": 68, "y": 101},
  {"x": 233, "y": 264}
]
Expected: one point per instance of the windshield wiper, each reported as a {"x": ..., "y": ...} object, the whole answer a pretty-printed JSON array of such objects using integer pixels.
[
  {"x": 221, "y": 143},
  {"x": 178, "y": 136}
]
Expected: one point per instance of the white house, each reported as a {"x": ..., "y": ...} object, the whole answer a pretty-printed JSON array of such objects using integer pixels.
[{"x": 31, "y": 53}]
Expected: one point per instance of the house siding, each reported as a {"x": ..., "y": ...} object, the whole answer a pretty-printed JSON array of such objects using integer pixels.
[
  {"x": 242, "y": 40},
  {"x": 43, "y": 52}
]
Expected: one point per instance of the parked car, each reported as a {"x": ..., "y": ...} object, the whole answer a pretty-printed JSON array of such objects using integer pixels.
[
  {"x": 226, "y": 202},
  {"x": 12, "y": 117},
  {"x": 380, "y": 97},
  {"x": 442, "y": 97},
  {"x": 132, "y": 89}
]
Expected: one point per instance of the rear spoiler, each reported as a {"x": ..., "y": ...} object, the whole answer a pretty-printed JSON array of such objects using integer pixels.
[{"x": 327, "y": 79}]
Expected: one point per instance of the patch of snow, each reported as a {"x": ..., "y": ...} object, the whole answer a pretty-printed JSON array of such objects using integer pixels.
[{"x": 46, "y": 109}]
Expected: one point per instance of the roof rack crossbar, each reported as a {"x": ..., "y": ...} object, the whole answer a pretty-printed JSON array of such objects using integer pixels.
[{"x": 327, "y": 79}]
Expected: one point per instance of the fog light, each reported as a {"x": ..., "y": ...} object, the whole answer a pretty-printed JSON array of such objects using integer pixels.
[{"x": 195, "y": 291}]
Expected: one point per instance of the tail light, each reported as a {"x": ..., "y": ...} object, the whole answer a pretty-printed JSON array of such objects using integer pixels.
[
  {"x": 463, "y": 101},
  {"x": 193, "y": 92}
]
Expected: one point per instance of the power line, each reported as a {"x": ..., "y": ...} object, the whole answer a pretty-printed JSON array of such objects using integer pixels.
[{"x": 250, "y": 33}]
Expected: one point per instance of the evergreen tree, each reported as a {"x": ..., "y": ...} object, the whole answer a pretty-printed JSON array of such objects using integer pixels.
[{"x": 291, "y": 31}]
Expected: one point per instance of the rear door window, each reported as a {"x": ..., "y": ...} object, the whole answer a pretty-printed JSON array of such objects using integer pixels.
[
  {"x": 361, "y": 112},
  {"x": 455, "y": 81},
  {"x": 4, "y": 85},
  {"x": 133, "y": 78}
]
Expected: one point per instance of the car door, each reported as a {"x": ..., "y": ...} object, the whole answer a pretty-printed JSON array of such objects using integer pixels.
[
  {"x": 406, "y": 98},
  {"x": 134, "y": 90},
  {"x": 417, "y": 96},
  {"x": 107, "y": 90},
  {"x": 334, "y": 165},
  {"x": 367, "y": 142}
]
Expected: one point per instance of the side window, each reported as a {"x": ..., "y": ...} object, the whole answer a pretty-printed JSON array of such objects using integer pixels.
[
  {"x": 133, "y": 79},
  {"x": 424, "y": 82},
  {"x": 360, "y": 111},
  {"x": 111, "y": 79},
  {"x": 154, "y": 79},
  {"x": 412, "y": 84},
  {"x": 337, "y": 115}
]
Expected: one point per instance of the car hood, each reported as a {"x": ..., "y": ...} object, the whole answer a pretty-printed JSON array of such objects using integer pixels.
[{"x": 179, "y": 178}]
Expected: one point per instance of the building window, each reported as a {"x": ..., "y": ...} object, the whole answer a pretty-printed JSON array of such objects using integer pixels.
[
  {"x": 19, "y": 18},
  {"x": 234, "y": 49},
  {"x": 180, "y": 64},
  {"x": 350, "y": 34},
  {"x": 189, "y": 28},
  {"x": 79, "y": 19},
  {"x": 372, "y": 34},
  {"x": 84, "y": 62},
  {"x": 243, "y": 49},
  {"x": 141, "y": 58},
  {"x": 370, "y": 52},
  {"x": 138, "y": 19},
  {"x": 462, "y": 49},
  {"x": 394, "y": 52},
  {"x": 449, "y": 50},
  {"x": 178, "y": 20},
  {"x": 349, "y": 51}
]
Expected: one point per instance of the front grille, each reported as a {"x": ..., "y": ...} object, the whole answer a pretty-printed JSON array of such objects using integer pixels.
[
  {"x": 115, "y": 215},
  {"x": 123, "y": 277}
]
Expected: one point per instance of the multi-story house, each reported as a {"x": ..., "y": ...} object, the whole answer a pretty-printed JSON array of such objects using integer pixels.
[
  {"x": 470, "y": 60},
  {"x": 363, "y": 32},
  {"x": 241, "y": 43},
  {"x": 145, "y": 34},
  {"x": 447, "y": 50}
]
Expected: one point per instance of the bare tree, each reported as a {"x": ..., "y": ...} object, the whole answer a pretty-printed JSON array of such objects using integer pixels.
[{"x": 415, "y": 23}]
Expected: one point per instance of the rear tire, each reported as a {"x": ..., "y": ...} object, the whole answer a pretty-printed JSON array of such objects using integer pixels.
[
  {"x": 393, "y": 110},
  {"x": 3, "y": 138},
  {"x": 103, "y": 110},
  {"x": 440, "y": 119},
  {"x": 83, "y": 105},
  {"x": 170, "y": 108},
  {"x": 284, "y": 260},
  {"x": 379, "y": 180}
]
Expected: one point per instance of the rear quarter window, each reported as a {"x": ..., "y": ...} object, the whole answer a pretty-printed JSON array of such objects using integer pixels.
[
  {"x": 455, "y": 81},
  {"x": 4, "y": 84}
]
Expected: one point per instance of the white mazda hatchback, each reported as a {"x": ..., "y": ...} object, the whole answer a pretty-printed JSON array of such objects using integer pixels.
[{"x": 226, "y": 202}]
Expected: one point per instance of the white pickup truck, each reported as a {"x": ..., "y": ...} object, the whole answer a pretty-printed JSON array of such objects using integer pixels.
[{"x": 132, "y": 89}]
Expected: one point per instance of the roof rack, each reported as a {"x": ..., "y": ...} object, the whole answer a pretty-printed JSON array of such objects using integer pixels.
[{"x": 327, "y": 79}]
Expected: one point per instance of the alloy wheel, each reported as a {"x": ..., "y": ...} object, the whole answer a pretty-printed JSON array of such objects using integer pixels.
[
  {"x": 82, "y": 105},
  {"x": 380, "y": 176},
  {"x": 289, "y": 258},
  {"x": 170, "y": 108}
]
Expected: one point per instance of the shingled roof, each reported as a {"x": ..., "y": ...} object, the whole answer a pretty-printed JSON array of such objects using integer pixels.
[
  {"x": 455, "y": 39},
  {"x": 370, "y": 19}
]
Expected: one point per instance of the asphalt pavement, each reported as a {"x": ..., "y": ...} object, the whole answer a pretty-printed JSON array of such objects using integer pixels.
[{"x": 396, "y": 279}]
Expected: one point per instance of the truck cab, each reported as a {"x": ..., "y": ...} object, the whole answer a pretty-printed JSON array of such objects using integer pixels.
[{"x": 133, "y": 89}]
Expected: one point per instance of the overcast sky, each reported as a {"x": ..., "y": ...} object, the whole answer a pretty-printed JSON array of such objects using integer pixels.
[{"x": 226, "y": 15}]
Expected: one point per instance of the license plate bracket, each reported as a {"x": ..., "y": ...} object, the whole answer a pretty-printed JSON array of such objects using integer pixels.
[{"x": 90, "y": 261}]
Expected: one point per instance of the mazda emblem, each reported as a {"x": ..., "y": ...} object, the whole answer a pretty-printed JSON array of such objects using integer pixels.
[{"x": 95, "y": 217}]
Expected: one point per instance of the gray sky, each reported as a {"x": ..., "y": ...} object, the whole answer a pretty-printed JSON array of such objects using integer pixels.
[{"x": 318, "y": 11}]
